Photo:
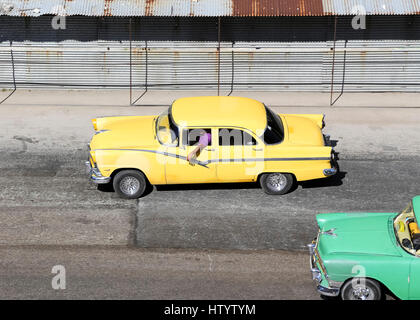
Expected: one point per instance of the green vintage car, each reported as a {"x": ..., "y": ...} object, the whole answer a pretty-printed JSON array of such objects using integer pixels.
[{"x": 362, "y": 256}]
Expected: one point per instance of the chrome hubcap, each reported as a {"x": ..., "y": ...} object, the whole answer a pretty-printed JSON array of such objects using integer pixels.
[
  {"x": 276, "y": 181},
  {"x": 361, "y": 293},
  {"x": 129, "y": 185}
]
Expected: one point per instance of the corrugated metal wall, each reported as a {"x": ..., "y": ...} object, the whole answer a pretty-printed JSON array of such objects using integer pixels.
[{"x": 94, "y": 52}]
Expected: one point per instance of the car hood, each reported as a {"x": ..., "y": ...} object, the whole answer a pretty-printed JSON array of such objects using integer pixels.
[
  {"x": 357, "y": 233},
  {"x": 302, "y": 131},
  {"x": 124, "y": 132}
]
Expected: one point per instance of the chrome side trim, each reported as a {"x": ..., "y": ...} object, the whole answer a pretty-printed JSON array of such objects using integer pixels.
[
  {"x": 100, "y": 131},
  {"x": 202, "y": 163}
]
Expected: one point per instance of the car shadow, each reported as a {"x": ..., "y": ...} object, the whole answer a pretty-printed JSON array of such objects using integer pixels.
[
  {"x": 106, "y": 187},
  {"x": 336, "y": 180},
  {"x": 333, "y": 181},
  {"x": 209, "y": 186},
  {"x": 110, "y": 188}
]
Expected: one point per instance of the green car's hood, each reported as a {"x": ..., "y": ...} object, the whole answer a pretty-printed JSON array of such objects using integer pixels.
[{"x": 357, "y": 233}]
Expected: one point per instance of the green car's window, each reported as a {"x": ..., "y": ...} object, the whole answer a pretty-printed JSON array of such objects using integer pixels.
[
  {"x": 405, "y": 226},
  {"x": 166, "y": 130}
]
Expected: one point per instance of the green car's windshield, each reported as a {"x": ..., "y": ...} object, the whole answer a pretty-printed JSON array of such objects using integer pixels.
[
  {"x": 407, "y": 231},
  {"x": 166, "y": 130}
]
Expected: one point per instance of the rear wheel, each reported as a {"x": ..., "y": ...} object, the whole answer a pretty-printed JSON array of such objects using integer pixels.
[
  {"x": 130, "y": 184},
  {"x": 361, "y": 289},
  {"x": 276, "y": 182}
]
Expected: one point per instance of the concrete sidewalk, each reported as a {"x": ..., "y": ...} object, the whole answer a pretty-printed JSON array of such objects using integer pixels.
[
  {"x": 121, "y": 97},
  {"x": 59, "y": 122}
]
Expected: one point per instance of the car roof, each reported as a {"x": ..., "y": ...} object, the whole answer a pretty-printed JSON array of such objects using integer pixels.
[{"x": 220, "y": 112}]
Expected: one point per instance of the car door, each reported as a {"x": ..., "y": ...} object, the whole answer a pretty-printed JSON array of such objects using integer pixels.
[
  {"x": 179, "y": 170},
  {"x": 241, "y": 155}
]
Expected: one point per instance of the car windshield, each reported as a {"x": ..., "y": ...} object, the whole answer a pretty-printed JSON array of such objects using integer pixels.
[
  {"x": 407, "y": 231},
  {"x": 274, "y": 132},
  {"x": 166, "y": 130}
]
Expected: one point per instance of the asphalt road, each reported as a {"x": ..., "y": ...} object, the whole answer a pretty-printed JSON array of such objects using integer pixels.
[
  {"x": 122, "y": 273},
  {"x": 243, "y": 217},
  {"x": 48, "y": 200},
  {"x": 50, "y": 214}
]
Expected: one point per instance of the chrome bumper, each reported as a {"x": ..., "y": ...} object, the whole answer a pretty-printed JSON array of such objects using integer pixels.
[
  {"x": 327, "y": 140},
  {"x": 330, "y": 292},
  {"x": 95, "y": 175},
  {"x": 330, "y": 172},
  {"x": 317, "y": 275}
]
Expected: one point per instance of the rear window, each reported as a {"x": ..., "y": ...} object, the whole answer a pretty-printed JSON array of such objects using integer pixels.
[{"x": 274, "y": 132}]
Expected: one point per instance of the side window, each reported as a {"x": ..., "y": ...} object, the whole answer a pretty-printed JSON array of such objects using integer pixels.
[
  {"x": 235, "y": 137},
  {"x": 191, "y": 137},
  {"x": 249, "y": 140}
]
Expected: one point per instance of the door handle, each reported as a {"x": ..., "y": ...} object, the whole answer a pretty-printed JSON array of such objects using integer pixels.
[
  {"x": 211, "y": 149},
  {"x": 257, "y": 149}
]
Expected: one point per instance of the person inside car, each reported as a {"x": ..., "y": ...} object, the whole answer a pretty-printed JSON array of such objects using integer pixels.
[{"x": 204, "y": 141}]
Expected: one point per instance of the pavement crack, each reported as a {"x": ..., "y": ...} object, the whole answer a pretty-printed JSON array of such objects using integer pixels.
[
  {"x": 135, "y": 223},
  {"x": 211, "y": 263}
]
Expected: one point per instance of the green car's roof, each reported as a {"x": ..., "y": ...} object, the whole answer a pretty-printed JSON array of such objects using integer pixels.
[{"x": 416, "y": 207}]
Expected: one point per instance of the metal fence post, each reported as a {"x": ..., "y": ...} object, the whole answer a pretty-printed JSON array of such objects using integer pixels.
[{"x": 333, "y": 62}]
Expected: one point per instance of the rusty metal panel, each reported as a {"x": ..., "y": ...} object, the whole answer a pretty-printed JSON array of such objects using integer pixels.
[
  {"x": 117, "y": 8},
  {"x": 174, "y": 8},
  {"x": 207, "y": 8},
  {"x": 182, "y": 8},
  {"x": 277, "y": 8},
  {"x": 35, "y": 8},
  {"x": 371, "y": 7}
]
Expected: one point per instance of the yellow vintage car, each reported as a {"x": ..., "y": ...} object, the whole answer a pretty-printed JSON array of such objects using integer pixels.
[{"x": 244, "y": 141}]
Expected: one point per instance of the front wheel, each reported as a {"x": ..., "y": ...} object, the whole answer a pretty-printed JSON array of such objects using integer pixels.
[
  {"x": 361, "y": 289},
  {"x": 130, "y": 184},
  {"x": 276, "y": 183}
]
